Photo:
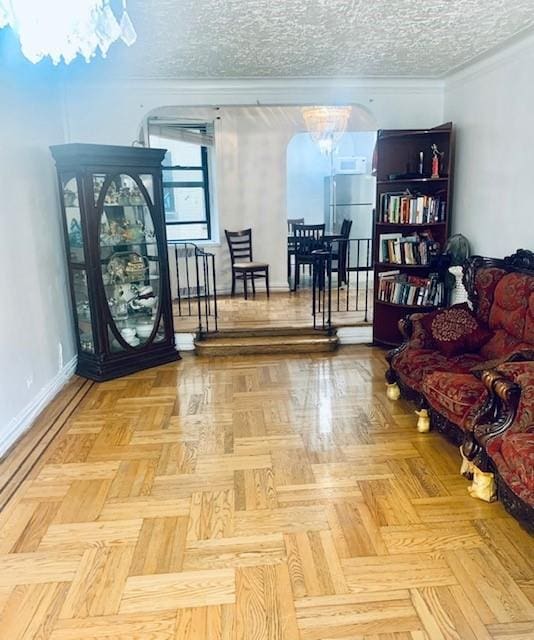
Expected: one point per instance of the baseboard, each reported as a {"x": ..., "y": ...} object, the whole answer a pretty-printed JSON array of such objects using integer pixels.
[
  {"x": 355, "y": 335},
  {"x": 24, "y": 419},
  {"x": 185, "y": 341}
]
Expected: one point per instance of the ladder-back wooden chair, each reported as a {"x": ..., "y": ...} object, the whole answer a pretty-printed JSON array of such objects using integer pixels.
[{"x": 243, "y": 265}]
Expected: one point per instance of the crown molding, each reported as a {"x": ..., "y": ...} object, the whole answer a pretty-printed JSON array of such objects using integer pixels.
[
  {"x": 522, "y": 43},
  {"x": 281, "y": 91}
]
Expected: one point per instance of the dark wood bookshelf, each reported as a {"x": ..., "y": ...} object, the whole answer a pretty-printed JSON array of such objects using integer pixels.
[{"x": 397, "y": 153}]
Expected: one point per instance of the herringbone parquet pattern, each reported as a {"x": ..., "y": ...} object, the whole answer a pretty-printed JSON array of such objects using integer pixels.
[{"x": 257, "y": 498}]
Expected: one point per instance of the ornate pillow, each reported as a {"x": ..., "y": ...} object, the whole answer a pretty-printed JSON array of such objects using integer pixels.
[{"x": 456, "y": 330}]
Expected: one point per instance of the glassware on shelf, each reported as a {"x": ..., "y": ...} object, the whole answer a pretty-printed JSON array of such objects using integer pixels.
[
  {"x": 70, "y": 197},
  {"x": 73, "y": 219},
  {"x": 75, "y": 233},
  {"x": 86, "y": 342},
  {"x": 127, "y": 266},
  {"x": 84, "y": 310}
]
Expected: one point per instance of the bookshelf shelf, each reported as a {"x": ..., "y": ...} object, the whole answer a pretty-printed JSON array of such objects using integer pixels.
[
  {"x": 406, "y": 180},
  {"x": 420, "y": 225},
  {"x": 424, "y": 307},
  {"x": 404, "y": 152},
  {"x": 398, "y": 265}
]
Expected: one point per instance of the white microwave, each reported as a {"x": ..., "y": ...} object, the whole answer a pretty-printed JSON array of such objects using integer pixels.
[{"x": 351, "y": 164}]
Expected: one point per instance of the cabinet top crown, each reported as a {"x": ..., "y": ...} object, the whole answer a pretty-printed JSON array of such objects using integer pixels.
[{"x": 103, "y": 154}]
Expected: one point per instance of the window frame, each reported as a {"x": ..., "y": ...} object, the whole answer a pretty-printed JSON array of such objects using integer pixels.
[{"x": 204, "y": 184}]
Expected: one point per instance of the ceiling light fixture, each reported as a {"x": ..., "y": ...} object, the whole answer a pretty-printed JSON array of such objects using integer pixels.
[
  {"x": 63, "y": 29},
  {"x": 326, "y": 125}
]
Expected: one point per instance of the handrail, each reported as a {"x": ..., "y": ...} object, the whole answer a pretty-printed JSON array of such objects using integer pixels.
[
  {"x": 348, "y": 259},
  {"x": 196, "y": 284}
]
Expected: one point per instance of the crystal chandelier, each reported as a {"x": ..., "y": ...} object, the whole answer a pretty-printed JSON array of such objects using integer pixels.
[
  {"x": 326, "y": 125},
  {"x": 62, "y": 29}
]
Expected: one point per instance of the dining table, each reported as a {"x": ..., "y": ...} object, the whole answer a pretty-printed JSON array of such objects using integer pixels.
[{"x": 323, "y": 243}]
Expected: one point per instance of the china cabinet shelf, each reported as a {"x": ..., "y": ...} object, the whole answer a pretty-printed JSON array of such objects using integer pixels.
[{"x": 120, "y": 291}]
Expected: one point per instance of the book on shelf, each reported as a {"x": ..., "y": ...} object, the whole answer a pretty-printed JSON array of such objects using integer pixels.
[
  {"x": 398, "y": 288},
  {"x": 413, "y": 249},
  {"x": 407, "y": 208}
]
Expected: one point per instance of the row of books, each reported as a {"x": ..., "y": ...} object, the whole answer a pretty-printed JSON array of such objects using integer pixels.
[
  {"x": 398, "y": 288},
  {"x": 405, "y": 208},
  {"x": 417, "y": 248}
]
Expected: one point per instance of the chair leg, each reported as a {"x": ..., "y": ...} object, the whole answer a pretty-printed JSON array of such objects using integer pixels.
[
  {"x": 245, "y": 285},
  {"x": 233, "y": 284},
  {"x": 296, "y": 279},
  {"x": 253, "y": 279},
  {"x": 267, "y": 281}
]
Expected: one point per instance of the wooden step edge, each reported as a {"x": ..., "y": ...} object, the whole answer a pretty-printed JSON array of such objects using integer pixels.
[
  {"x": 263, "y": 341},
  {"x": 267, "y": 331}
]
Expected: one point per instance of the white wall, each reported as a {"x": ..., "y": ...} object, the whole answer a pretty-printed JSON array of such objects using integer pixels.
[
  {"x": 251, "y": 140},
  {"x": 36, "y": 339},
  {"x": 491, "y": 105}
]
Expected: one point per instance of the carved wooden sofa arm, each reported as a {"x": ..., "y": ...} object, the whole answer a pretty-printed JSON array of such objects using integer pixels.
[
  {"x": 503, "y": 397},
  {"x": 415, "y": 335},
  {"x": 504, "y": 434}
]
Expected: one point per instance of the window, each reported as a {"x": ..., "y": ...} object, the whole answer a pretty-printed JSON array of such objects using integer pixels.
[{"x": 186, "y": 183}]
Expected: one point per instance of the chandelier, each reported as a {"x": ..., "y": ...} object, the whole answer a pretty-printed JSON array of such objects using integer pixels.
[
  {"x": 62, "y": 29},
  {"x": 326, "y": 125}
]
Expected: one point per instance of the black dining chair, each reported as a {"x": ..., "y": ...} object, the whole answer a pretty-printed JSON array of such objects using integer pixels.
[
  {"x": 340, "y": 251},
  {"x": 308, "y": 238},
  {"x": 291, "y": 222},
  {"x": 243, "y": 265}
]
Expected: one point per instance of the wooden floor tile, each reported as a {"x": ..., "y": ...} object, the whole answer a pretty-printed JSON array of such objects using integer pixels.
[
  {"x": 403, "y": 571},
  {"x": 178, "y": 590},
  {"x": 264, "y": 604}
]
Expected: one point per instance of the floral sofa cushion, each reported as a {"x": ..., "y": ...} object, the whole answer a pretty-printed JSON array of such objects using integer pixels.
[
  {"x": 511, "y": 316},
  {"x": 412, "y": 365},
  {"x": 486, "y": 279},
  {"x": 515, "y": 464},
  {"x": 457, "y": 396}
]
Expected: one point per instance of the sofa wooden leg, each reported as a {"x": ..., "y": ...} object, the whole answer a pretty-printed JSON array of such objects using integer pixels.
[
  {"x": 423, "y": 421},
  {"x": 392, "y": 391},
  {"x": 483, "y": 486},
  {"x": 466, "y": 470}
]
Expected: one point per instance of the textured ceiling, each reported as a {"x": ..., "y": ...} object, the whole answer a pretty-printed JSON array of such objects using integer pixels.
[{"x": 315, "y": 38}]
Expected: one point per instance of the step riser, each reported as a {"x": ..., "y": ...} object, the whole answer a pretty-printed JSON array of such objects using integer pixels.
[{"x": 206, "y": 350}]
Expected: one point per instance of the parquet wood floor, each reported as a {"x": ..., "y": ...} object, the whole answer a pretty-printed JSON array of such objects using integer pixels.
[
  {"x": 282, "y": 309},
  {"x": 257, "y": 498}
]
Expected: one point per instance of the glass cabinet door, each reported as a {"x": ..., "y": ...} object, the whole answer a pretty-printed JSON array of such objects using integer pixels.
[
  {"x": 73, "y": 219},
  {"x": 129, "y": 259}
]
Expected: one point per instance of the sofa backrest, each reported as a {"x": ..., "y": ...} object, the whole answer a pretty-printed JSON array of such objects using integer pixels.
[{"x": 502, "y": 295}]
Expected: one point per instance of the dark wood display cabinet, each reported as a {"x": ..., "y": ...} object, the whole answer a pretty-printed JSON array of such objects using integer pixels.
[
  {"x": 412, "y": 220},
  {"x": 112, "y": 205}
]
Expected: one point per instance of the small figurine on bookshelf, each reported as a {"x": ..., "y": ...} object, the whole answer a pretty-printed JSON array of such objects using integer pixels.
[{"x": 437, "y": 155}]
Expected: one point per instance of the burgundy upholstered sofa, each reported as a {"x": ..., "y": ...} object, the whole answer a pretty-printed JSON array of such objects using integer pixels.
[{"x": 451, "y": 390}]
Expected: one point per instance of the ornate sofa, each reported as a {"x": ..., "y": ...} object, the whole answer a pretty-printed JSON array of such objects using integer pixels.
[{"x": 449, "y": 390}]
